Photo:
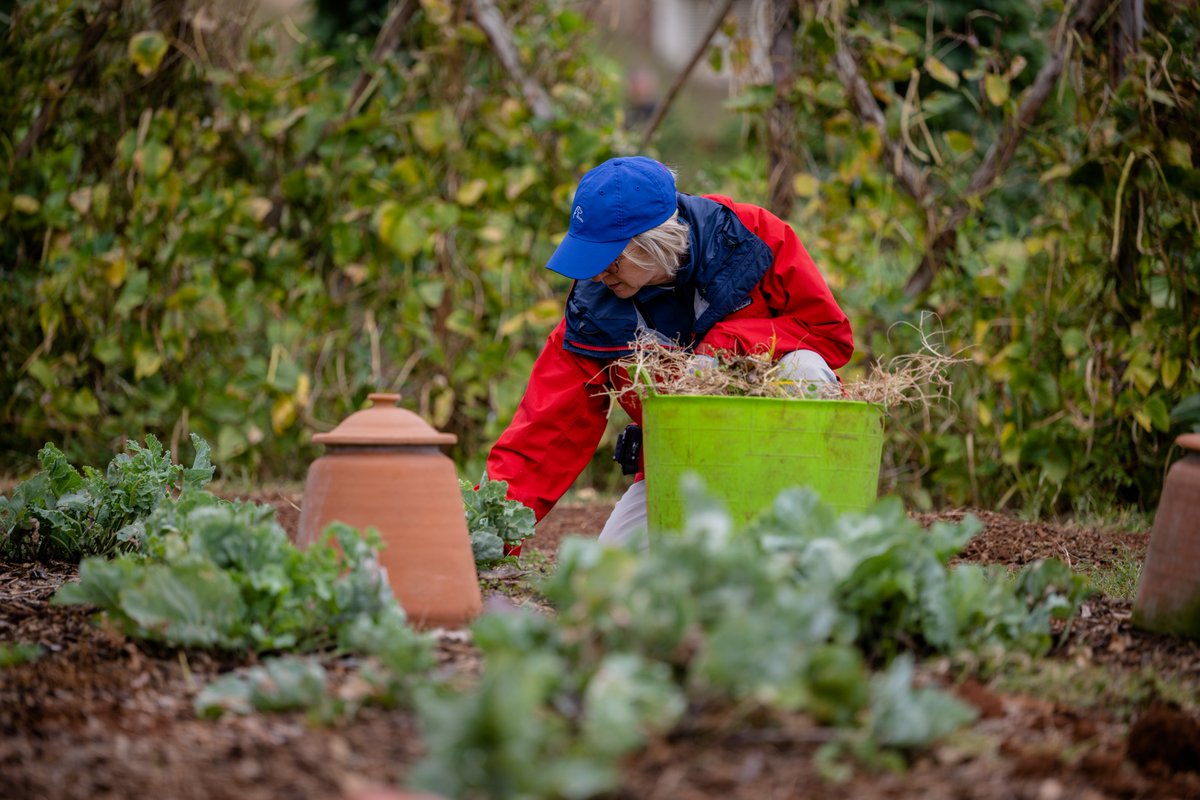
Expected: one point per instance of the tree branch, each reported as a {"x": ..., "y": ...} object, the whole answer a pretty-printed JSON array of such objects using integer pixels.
[
  {"x": 1004, "y": 146},
  {"x": 781, "y": 116},
  {"x": 91, "y": 39},
  {"x": 664, "y": 105},
  {"x": 497, "y": 33},
  {"x": 940, "y": 234},
  {"x": 911, "y": 177},
  {"x": 1124, "y": 35},
  {"x": 387, "y": 41}
]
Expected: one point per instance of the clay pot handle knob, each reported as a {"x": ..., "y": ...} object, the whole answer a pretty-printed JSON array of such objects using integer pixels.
[{"x": 383, "y": 399}]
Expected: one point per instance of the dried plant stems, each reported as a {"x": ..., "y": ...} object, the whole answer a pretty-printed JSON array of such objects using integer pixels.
[{"x": 919, "y": 378}]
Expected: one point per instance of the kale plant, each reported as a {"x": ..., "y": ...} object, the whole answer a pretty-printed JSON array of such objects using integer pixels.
[
  {"x": 66, "y": 514},
  {"x": 214, "y": 573},
  {"x": 894, "y": 588},
  {"x": 289, "y": 683},
  {"x": 193, "y": 570},
  {"x": 541, "y": 723},
  {"x": 494, "y": 521},
  {"x": 802, "y": 610},
  {"x": 391, "y": 662}
]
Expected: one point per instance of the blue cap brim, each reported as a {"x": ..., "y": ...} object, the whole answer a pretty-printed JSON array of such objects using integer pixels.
[{"x": 580, "y": 259}]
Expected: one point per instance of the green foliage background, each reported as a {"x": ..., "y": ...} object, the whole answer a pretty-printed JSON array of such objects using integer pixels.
[
  {"x": 221, "y": 244},
  {"x": 1073, "y": 286},
  {"x": 205, "y": 248}
]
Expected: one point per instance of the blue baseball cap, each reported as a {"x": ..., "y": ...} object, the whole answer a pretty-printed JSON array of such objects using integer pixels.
[{"x": 614, "y": 202}]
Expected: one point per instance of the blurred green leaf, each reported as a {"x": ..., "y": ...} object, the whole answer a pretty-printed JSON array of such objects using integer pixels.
[
  {"x": 399, "y": 229},
  {"x": 996, "y": 87},
  {"x": 941, "y": 72},
  {"x": 146, "y": 50}
]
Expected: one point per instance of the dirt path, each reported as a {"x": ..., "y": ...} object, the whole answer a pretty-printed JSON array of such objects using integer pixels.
[{"x": 99, "y": 715}]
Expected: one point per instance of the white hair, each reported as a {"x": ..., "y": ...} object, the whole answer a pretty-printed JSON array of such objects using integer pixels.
[{"x": 664, "y": 247}]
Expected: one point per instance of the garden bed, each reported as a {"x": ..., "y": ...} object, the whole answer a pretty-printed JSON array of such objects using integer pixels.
[{"x": 100, "y": 715}]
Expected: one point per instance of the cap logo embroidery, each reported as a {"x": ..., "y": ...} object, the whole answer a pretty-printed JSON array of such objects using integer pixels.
[{"x": 578, "y": 214}]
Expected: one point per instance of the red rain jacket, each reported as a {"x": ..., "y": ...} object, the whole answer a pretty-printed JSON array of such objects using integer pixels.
[{"x": 564, "y": 412}]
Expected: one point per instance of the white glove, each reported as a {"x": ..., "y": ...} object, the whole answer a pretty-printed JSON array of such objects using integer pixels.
[
  {"x": 808, "y": 372},
  {"x": 699, "y": 363}
]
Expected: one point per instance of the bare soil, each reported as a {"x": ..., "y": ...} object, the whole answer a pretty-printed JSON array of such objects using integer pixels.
[{"x": 100, "y": 715}]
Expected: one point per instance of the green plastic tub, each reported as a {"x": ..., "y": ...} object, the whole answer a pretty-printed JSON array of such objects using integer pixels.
[{"x": 748, "y": 449}]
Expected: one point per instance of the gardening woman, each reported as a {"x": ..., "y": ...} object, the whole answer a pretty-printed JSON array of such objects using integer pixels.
[{"x": 704, "y": 273}]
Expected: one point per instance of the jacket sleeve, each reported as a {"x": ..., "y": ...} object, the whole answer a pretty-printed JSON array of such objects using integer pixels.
[
  {"x": 803, "y": 313},
  {"x": 557, "y": 426}
]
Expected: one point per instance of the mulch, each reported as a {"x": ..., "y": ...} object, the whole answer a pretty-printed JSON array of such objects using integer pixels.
[
  {"x": 1014, "y": 542},
  {"x": 100, "y": 715}
]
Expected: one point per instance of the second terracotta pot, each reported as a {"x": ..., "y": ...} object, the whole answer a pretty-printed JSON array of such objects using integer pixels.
[{"x": 1168, "y": 597}]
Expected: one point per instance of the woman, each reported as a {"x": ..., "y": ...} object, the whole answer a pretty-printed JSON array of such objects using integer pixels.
[{"x": 704, "y": 272}]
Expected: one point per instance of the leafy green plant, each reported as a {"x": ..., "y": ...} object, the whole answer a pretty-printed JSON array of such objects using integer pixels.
[
  {"x": 891, "y": 580},
  {"x": 903, "y": 717},
  {"x": 198, "y": 571},
  {"x": 1071, "y": 280},
  {"x": 745, "y": 608},
  {"x": 214, "y": 573},
  {"x": 14, "y": 653},
  {"x": 391, "y": 661},
  {"x": 398, "y": 658},
  {"x": 281, "y": 684},
  {"x": 62, "y": 513},
  {"x": 1187, "y": 412},
  {"x": 150, "y": 239},
  {"x": 907, "y": 717},
  {"x": 791, "y": 612},
  {"x": 540, "y": 723},
  {"x": 493, "y": 521}
]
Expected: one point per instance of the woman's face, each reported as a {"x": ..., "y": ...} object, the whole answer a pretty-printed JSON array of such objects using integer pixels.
[{"x": 625, "y": 278}]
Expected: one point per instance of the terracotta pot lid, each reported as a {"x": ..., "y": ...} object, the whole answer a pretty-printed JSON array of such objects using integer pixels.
[
  {"x": 1189, "y": 441},
  {"x": 384, "y": 423}
]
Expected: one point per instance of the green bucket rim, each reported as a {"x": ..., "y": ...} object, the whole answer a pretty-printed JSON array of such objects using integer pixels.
[{"x": 822, "y": 401}]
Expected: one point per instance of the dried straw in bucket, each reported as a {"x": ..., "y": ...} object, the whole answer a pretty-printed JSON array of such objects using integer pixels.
[{"x": 915, "y": 378}]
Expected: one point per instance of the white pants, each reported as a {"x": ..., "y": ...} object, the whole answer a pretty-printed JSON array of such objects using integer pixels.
[{"x": 627, "y": 522}]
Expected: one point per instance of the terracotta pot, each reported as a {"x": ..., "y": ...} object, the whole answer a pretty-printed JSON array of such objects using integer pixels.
[
  {"x": 382, "y": 469},
  {"x": 1168, "y": 598}
]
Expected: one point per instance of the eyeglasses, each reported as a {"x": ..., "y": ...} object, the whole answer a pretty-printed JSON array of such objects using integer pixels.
[{"x": 614, "y": 266}]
